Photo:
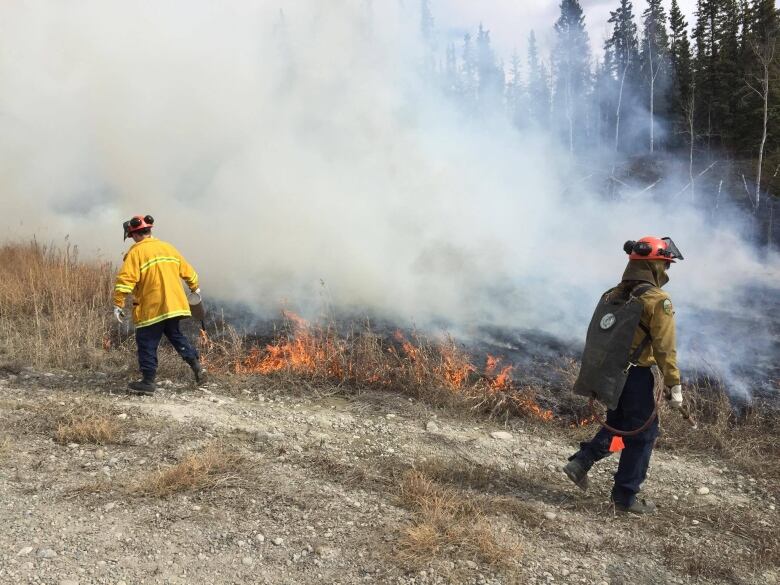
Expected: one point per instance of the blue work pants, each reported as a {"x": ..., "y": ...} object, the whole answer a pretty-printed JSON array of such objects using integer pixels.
[
  {"x": 634, "y": 408},
  {"x": 148, "y": 339}
]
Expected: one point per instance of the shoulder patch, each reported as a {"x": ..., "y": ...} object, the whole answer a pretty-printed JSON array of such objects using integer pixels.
[{"x": 668, "y": 307}]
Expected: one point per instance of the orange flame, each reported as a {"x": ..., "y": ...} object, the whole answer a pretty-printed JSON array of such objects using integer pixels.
[
  {"x": 315, "y": 351},
  {"x": 455, "y": 367},
  {"x": 301, "y": 352},
  {"x": 585, "y": 421},
  {"x": 501, "y": 380},
  {"x": 526, "y": 404}
]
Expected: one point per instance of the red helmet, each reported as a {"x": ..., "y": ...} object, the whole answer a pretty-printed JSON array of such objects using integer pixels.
[
  {"x": 652, "y": 248},
  {"x": 137, "y": 223}
]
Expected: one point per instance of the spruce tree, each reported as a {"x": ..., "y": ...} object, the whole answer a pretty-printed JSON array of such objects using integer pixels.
[
  {"x": 571, "y": 70},
  {"x": 621, "y": 55},
  {"x": 490, "y": 77},
  {"x": 538, "y": 85},
  {"x": 429, "y": 39},
  {"x": 452, "y": 80},
  {"x": 426, "y": 20},
  {"x": 469, "y": 76},
  {"x": 516, "y": 103},
  {"x": 705, "y": 35},
  {"x": 655, "y": 65},
  {"x": 764, "y": 21},
  {"x": 726, "y": 101},
  {"x": 762, "y": 79},
  {"x": 604, "y": 96},
  {"x": 681, "y": 71}
]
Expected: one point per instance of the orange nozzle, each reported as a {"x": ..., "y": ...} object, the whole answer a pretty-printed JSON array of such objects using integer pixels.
[{"x": 616, "y": 444}]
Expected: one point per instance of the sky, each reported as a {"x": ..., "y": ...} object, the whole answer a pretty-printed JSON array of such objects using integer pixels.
[{"x": 510, "y": 21}]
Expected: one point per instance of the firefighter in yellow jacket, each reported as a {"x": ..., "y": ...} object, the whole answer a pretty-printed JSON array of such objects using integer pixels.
[{"x": 152, "y": 271}]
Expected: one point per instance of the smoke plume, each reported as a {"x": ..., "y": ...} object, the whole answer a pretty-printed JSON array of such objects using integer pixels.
[{"x": 290, "y": 154}]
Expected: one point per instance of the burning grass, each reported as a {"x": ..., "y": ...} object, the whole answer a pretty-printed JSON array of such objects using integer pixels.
[
  {"x": 448, "y": 523},
  {"x": 212, "y": 467},
  {"x": 437, "y": 371},
  {"x": 55, "y": 312}
]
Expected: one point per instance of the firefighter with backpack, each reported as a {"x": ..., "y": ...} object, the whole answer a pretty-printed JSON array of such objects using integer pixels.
[{"x": 631, "y": 331}]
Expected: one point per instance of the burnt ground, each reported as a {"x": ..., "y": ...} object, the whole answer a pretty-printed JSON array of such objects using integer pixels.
[{"x": 313, "y": 486}]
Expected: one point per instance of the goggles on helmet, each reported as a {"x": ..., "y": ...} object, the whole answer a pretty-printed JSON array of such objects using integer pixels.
[{"x": 137, "y": 223}]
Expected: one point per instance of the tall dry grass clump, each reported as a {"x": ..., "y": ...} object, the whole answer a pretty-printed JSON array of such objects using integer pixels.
[
  {"x": 211, "y": 467},
  {"x": 746, "y": 434},
  {"x": 54, "y": 307},
  {"x": 448, "y": 523}
]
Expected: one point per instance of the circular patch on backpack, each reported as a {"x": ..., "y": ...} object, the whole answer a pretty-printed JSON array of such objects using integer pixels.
[{"x": 607, "y": 321}]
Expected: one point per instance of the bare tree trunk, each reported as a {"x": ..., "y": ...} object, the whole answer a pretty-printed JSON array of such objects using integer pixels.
[
  {"x": 620, "y": 102},
  {"x": 652, "y": 122},
  {"x": 617, "y": 123},
  {"x": 765, "y": 53},
  {"x": 570, "y": 116},
  {"x": 689, "y": 113},
  {"x": 765, "y": 90},
  {"x": 653, "y": 73}
]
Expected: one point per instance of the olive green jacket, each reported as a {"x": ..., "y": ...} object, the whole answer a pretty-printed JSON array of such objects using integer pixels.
[{"x": 658, "y": 317}]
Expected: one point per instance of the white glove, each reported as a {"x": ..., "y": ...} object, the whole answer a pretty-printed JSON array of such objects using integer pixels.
[
  {"x": 119, "y": 314},
  {"x": 196, "y": 291},
  {"x": 675, "y": 397}
]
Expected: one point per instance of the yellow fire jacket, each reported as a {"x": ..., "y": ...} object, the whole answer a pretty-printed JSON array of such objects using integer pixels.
[{"x": 152, "y": 271}]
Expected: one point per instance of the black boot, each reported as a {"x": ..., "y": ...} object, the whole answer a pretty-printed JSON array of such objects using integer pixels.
[
  {"x": 198, "y": 370},
  {"x": 638, "y": 506},
  {"x": 578, "y": 473},
  {"x": 144, "y": 387}
]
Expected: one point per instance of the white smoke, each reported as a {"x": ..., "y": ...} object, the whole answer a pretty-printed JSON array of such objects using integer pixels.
[{"x": 279, "y": 151}]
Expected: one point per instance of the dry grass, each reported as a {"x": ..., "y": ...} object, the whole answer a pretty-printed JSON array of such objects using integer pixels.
[
  {"x": 81, "y": 421},
  {"x": 54, "y": 307},
  {"x": 5, "y": 447},
  {"x": 211, "y": 467},
  {"x": 747, "y": 436},
  {"x": 101, "y": 430},
  {"x": 55, "y": 312},
  {"x": 698, "y": 561},
  {"x": 448, "y": 524}
]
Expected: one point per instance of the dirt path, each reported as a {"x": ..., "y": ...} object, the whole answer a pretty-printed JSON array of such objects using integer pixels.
[{"x": 328, "y": 488}]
